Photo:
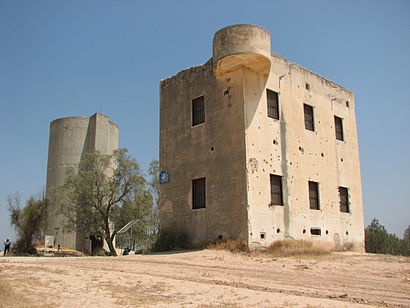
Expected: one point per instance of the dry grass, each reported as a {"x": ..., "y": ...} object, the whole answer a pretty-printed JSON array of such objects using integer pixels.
[
  {"x": 230, "y": 245},
  {"x": 289, "y": 248}
]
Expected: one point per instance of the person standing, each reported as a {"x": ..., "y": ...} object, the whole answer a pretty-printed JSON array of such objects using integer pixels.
[{"x": 7, "y": 245}]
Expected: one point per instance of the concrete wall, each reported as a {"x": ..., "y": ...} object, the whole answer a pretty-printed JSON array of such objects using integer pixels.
[
  {"x": 214, "y": 149},
  {"x": 249, "y": 146},
  {"x": 70, "y": 139},
  {"x": 284, "y": 147}
]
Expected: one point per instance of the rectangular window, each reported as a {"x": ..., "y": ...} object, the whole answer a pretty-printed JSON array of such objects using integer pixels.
[
  {"x": 344, "y": 199},
  {"x": 198, "y": 111},
  {"x": 276, "y": 190},
  {"x": 309, "y": 119},
  {"x": 198, "y": 194},
  {"x": 314, "y": 195},
  {"x": 273, "y": 104},
  {"x": 339, "y": 128}
]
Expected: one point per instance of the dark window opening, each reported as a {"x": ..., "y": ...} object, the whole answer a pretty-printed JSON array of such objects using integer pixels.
[
  {"x": 307, "y": 86},
  {"x": 315, "y": 231},
  {"x": 276, "y": 189},
  {"x": 314, "y": 195},
  {"x": 198, "y": 194},
  {"x": 273, "y": 104},
  {"x": 198, "y": 111},
  {"x": 309, "y": 120},
  {"x": 344, "y": 199},
  {"x": 339, "y": 128}
]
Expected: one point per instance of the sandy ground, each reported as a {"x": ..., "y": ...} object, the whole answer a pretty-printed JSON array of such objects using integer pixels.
[{"x": 206, "y": 278}]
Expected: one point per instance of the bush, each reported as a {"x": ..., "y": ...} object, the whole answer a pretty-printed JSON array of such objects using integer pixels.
[
  {"x": 287, "y": 248},
  {"x": 234, "y": 246},
  {"x": 172, "y": 240}
]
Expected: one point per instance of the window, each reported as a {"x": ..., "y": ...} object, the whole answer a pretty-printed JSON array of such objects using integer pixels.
[
  {"x": 339, "y": 128},
  {"x": 344, "y": 199},
  {"x": 313, "y": 195},
  {"x": 273, "y": 104},
  {"x": 309, "y": 120},
  {"x": 315, "y": 231},
  {"x": 198, "y": 194},
  {"x": 276, "y": 190},
  {"x": 198, "y": 111}
]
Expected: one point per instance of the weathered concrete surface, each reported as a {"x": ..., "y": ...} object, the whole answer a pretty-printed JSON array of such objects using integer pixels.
[
  {"x": 70, "y": 139},
  {"x": 239, "y": 146}
]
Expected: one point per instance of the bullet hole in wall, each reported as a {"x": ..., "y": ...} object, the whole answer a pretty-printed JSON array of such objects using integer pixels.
[
  {"x": 304, "y": 231},
  {"x": 275, "y": 142},
  {"x": 212, "y": 149},
  {"x": 347, "y": 232},
  {"x": 327, "y": 231},
  {"x": 307, "y": 86},
  {"x": 262, "y": 235},
  {"x": 322, "y": 154},
  {"x": 278, "y": 230},
  {"x": 341, "y": 160},
  {"x": 347, "y": 104}
]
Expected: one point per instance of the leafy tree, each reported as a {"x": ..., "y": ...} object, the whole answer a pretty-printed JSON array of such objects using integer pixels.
[
  {"x": 376, "y": 237},
  {"x": 107, "y": 192},
  {"x": 378, "y": 240},
  {"x": 28, "y": 221},
  {"x": 406, "y": 242}
]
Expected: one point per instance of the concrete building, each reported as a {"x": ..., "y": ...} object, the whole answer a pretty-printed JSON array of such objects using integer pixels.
[
  {"x": 70, "y": 139},
  {"x": 258, "y": 148}
]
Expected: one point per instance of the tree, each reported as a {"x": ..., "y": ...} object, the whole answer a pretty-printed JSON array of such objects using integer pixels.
[
  {"x": 28, "y": 221},
  {"x": 375, "y": 237},
  {"x": 378, "y": 240},
  {"x": 406, "y": 242},
  {"x": 98, "y": 197}
]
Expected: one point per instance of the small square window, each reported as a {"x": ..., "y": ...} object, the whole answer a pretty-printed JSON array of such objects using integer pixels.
[
  {"x": 273, "y": 104},
  {"x": 198, "y": 111},
  {"x": 276, "y": 190},
  {"x": 309, "y": 119},
  {"x": 339, "y": 128},
  {"x": 198, "y": 193},
  {"x": 344, "y": 200},
  {"x": 315, "y": 231},
  {"x": 314, "y": 195}
]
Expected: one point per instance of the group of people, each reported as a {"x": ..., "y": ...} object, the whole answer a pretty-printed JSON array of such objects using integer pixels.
[{"x": 7, "y": 245}]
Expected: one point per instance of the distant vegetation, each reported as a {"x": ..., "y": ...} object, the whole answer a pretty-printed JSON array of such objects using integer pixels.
[{"x": 378, "y": 240}]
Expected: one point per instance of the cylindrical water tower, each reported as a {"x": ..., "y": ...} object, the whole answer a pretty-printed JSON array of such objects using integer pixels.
[
  {"x": 70, "y": 139},
  {"x": 239, "y": 46}
]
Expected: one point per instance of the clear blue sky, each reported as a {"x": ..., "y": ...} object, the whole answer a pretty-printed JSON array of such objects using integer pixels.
[{"x": 66, "y": 58}]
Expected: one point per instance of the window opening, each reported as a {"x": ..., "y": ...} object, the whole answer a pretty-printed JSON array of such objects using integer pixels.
[
  {"x": 309, "y": 119},
  {"x": 344, "y": 199},
  {"x": 313, "y": 195},
  {"x": 273, "y": 104},
  {"x": 276, "y": 189},
  {"x": 339, "y": 128},
  {"x": 198, "y": 110},
  {"x": 198, "y": 193}
]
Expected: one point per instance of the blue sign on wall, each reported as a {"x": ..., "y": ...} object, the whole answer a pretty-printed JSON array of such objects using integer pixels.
[{"x": 164, "y": 177}]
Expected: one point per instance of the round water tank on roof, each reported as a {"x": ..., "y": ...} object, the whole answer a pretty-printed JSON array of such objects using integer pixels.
[{"x": 241, "y": 46}]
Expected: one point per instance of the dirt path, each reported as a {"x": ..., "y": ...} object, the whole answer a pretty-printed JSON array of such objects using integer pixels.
[{"x": 206, "y": 279}]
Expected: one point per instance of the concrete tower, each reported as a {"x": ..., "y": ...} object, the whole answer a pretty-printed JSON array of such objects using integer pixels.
[
  {"x": 70, "y": 139},
  {"x": 258, "y": 148}
]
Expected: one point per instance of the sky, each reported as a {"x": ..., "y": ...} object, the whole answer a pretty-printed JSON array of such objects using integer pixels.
[{"x": 75, "y": 58}]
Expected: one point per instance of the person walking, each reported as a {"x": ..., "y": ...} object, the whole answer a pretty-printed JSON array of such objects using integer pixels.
[{"x": 7, "y": 245}]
